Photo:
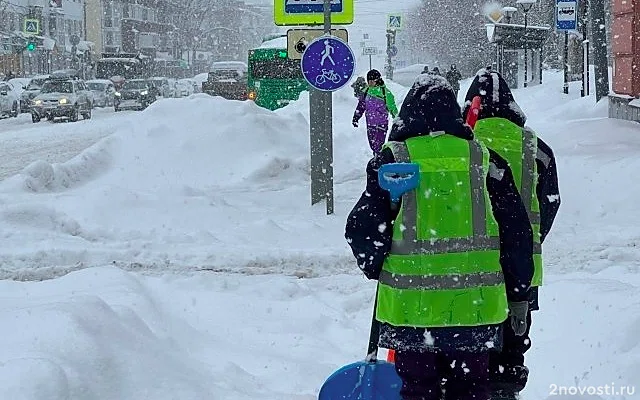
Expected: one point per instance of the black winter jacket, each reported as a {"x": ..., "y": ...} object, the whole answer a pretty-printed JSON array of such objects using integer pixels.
[{"x": 429, "y": 107}]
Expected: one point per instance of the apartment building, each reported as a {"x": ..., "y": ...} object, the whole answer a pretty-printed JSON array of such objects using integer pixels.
[
  {"x": 126, "y": 26},
  {"x": 59, "y": 20}
]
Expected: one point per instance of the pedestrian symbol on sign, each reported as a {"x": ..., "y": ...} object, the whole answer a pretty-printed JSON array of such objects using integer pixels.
[
  {"x": 31, "y": 26},
  {"x": 394, "y": 22},
  {"x": 328, "y": 50}
]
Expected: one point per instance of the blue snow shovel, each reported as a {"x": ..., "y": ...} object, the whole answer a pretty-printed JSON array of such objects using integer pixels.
[{"x": 374, "y": 379}]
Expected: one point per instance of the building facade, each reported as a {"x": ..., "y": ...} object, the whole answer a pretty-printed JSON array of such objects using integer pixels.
[
  {"x": 624, "y": 101},
  {"x": 127, "y": 26},
  {"x": 61, "y": 23}
]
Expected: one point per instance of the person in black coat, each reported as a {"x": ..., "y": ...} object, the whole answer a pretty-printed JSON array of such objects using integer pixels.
[
  {"x": 508, "y": 372},
  {"x": 431, "y": 106}
]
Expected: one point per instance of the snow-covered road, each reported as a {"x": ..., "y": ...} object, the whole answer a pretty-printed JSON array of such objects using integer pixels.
[{"x": 23, "y": 142}]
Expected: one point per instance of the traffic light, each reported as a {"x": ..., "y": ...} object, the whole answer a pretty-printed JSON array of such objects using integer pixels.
[
  {"x": 31, "y": 45},
  {"x": 282, "y": 54}
]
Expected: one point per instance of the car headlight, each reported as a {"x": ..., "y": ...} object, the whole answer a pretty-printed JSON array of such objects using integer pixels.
[
  {"x": 37, "y": 102},
  {"x": 144, "y": 93},
  {"x": 63, "y": 101},
  {"x": 117, "y": 94}
]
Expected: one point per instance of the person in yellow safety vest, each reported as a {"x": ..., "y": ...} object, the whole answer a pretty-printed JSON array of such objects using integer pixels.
[
  {"x": 501, "y": 127},
  {"x": 454, "y": 260}
]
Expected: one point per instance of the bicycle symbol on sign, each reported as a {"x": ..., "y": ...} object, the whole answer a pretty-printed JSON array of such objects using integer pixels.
[{"x": 328, "y": 75}]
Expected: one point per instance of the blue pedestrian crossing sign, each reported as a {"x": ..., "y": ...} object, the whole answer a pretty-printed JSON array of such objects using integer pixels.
[
  {"x": 328, "y": 63},
  {"x": 394, "y": 22},
  {"x": 31, "y": 26}
]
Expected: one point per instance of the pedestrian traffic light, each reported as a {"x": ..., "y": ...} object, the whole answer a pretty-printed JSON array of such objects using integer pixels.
[
  {"x": 282, "y": 54},
  {"x": 31, "y": 45}
]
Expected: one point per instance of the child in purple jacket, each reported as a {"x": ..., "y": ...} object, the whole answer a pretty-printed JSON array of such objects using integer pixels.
[{"x": 377, "y": 102}]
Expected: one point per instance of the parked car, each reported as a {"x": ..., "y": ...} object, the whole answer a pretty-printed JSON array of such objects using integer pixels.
[
  {"x": 31, "y": 91},
  {"x": 135, "y": 94},
  {"x": 66, "y": 98},
  {"x": 103, "y": 92},
  {"x": 9, "y": 101}
]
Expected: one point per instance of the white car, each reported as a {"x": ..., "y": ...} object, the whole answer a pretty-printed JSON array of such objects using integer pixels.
[
  {"x": 65, "y": 98},
  {"x": 103, "y": 92},
  {"x": 183, "y": 89},
  {"x": 9, "y": 100}
]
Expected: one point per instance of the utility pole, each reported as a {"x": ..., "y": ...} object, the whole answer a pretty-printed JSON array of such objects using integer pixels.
[
  {"x": 391, "y": 41},
  {"x": 601, "y": 66},
  {"x": 584, "y": 18}
]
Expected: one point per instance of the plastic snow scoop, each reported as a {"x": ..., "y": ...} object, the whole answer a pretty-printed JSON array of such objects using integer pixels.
[
  {"x": 374, "y": 379},
  {"x": 474, "y": 111},
  {"x": 371, "y": 379},
  {"x": 398, "y": 178}
]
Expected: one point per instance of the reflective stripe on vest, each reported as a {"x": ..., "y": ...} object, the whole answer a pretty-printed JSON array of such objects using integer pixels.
[
  {"x": 443, "y": 281},
  {"x": 493, "y": 131},
  {"x": 409, "y": 244}
]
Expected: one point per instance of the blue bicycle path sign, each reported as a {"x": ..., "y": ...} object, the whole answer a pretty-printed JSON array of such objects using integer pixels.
[{"x": 328, "y": 63}]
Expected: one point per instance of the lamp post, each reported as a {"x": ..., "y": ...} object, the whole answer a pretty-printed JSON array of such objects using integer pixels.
[{"x": 526, "y": 7}]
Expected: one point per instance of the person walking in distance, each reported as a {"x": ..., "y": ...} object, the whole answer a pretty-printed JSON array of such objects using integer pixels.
[{"x": 377, "y": 102}]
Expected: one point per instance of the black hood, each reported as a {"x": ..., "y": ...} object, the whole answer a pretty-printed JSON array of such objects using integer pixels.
[
  {"x": 430, "y": 106},
  {"x": 497, "y": 99}
]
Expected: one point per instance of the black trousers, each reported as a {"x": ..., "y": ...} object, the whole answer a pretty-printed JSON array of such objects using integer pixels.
[
  {"x": 507, "y": 372},
  {"x": 448, "y": 376}
]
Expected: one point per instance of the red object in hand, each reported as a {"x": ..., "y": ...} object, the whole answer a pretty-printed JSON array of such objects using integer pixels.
[{"x": 474, "y": 111}]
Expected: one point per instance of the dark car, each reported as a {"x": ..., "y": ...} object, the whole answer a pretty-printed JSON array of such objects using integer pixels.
[
  {"x": 227, "y": 79},
  {"x": 135, "y": 94}
]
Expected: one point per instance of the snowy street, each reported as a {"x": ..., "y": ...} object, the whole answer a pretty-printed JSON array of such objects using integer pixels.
[
  {"x": 173, "y": 253},
  {"x": 23, "y": 142}
]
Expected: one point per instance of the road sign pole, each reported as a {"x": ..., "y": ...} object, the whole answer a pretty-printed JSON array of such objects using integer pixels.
[
  {"x": 328, "y": 64},
  {"x": 370, "y": 66},
  {"x": 328, "y": 125},
  {"x": 565, "y": 63}
]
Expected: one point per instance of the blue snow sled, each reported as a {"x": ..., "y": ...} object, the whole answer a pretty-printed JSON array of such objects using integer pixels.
[{"x": 363, "y": 380}]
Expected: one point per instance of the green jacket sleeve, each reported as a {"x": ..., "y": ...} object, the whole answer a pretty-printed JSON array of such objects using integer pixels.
[{"x": 391, "y": 103}]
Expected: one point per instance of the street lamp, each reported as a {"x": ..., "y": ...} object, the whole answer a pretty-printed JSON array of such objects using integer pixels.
[{"x": 526, "y": 7}]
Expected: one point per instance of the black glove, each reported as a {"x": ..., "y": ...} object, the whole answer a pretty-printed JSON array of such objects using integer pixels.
[
  {"x": 518, "y": 316},
  {"x": 355, "y": 123}
]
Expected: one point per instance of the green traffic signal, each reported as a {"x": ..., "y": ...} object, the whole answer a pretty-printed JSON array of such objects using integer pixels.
[
  {"x": 31, "y": 46},
  {"x": 282, "y": 54}
]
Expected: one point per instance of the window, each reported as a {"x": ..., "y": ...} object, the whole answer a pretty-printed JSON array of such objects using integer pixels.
[
  {"x": 283, "y": 68},
  {"x": 52, "y": 26},
  {"x": 108, "y": 23},
  {"x": 145, "y": 13},
  {"x": 125, "y": 10},
  {"x": 108, "y": 38}
]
